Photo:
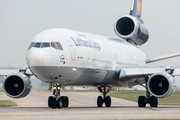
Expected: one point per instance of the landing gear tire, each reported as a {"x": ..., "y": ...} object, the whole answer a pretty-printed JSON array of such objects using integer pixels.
[
  {"x": 153, "y": 101},
  {"x": 53, "y": 103},
  {"x": 49, "y": 101},
  {"x": 66, "y": 101},
  {"x": 59, "y": 103},
  {"x": 108, "y": 101},
  {"x": 62, "y": 98},
  {"x": 141, "y": 101},
  {"x": 99, "y": 101},
  {"x": 104, "y": 99}
]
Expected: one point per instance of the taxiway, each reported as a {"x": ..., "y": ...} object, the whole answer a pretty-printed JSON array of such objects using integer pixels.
[{"x": 82, "y": 106}]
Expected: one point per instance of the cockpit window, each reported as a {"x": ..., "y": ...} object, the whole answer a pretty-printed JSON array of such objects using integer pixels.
[
  {"x": 59, "y": 46},
  {"x": 37, "y": 45},
  {"x": 31, "y": 45},
  {"x": 53, "y": 44},
  {"x": 45, "y": 45},
  {"x": 56, "y": 45}
]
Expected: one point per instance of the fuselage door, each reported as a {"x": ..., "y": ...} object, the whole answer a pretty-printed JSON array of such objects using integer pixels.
[{"x": 72, "y": 50}]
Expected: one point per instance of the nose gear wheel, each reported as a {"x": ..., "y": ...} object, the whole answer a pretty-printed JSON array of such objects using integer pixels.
[{"x": 57, "y": 101}]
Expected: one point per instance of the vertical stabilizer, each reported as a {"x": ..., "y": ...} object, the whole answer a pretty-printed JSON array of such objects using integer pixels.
[
  {"x": 131, "y": 27},
  {"x": 136, "y": 8}
]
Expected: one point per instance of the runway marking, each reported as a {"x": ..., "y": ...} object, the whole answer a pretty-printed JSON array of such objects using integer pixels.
[
  {"x": 73, "y": 100},
  {"x": 90, "y": 114},
  {"x": 151, "y": 109}
]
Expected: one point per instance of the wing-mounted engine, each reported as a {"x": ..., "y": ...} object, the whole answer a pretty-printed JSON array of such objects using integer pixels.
[
  {"x": 161, "y": 85},
  {"x": 131, "y": 28},
  {"x": 17, "y": 85}
]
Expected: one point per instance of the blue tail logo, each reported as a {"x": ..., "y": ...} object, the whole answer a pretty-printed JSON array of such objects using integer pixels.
[
  {"x": 136, "y": 8},
  {"x": 139, "y": 3}
]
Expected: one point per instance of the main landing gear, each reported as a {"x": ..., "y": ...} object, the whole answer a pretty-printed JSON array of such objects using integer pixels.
[
  {"x": 105, "y": 99},
  {"x": 142, "y": 100},
  {"x": 57, "y": 101}
]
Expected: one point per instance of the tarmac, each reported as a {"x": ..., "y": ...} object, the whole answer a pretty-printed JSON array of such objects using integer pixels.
[{"x": 82, "y": 106}]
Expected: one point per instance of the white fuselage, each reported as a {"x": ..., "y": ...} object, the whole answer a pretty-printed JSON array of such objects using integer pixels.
[{"x": 83, "y": 59}]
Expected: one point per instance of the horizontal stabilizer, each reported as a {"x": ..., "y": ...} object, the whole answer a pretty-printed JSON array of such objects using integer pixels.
[{"x": 162, "y": 58}]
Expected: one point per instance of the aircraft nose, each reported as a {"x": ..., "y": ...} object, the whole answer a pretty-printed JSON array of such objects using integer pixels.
[
  {"x": 46, "y": 57},
  {"x": 38, "y": 57}
]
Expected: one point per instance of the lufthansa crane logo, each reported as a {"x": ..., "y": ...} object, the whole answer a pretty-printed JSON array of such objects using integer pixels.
[
  {"x": 139, "y": 6},
  {"x": 62, "y": 58}
]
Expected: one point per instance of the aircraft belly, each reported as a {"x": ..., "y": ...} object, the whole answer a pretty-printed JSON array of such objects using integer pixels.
[{"x": 76, "y": 76}]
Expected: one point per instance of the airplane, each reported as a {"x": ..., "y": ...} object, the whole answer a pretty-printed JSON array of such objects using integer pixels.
[{"x": 63, "y": 57}]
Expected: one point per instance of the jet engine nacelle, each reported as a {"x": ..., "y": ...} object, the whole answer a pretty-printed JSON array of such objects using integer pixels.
[
  {"x": 128, "y": 27},
  {"x": 17, "y": 85},
  {"x": 161, "y": 85}
]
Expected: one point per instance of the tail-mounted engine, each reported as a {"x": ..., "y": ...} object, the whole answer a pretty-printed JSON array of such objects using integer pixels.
[
  {"x": 130, "y": 28},
  {"x": 17, "y": 85},
  {"x": 161, "y": 85}
]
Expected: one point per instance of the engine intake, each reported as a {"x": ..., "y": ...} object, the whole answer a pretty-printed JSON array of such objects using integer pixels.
[
  {"x": 125, "y": 26},
  {"x": 129, "y": 27},
  {"x": 17, "y": 85},
  {"x": 161, "y": 85}
]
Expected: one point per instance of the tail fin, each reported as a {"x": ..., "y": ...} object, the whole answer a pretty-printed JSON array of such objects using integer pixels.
[{"x": 136, "y": 8}]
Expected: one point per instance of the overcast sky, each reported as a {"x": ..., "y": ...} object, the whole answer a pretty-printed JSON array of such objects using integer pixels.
[{"x": 21, "y": 20}]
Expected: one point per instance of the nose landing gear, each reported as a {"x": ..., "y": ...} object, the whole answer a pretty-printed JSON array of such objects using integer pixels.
[{"x": 57, "y": 101}]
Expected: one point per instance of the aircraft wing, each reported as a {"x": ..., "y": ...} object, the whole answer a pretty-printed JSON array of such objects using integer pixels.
[
  {"x": 138, "y": 76},
  {"x": 5, "y": 71},
  {"x": 176, "y": 72}
]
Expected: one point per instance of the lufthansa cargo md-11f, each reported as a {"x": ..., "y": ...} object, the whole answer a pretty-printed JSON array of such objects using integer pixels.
[{"x": 62, "y": 57}]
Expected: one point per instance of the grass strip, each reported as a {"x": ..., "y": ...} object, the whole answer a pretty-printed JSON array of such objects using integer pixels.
[
  {"x": 7, "y": 103},
  {"x": 133, "y": 96},
  {"x": 146, "y": 119},
  {"x": 153, "y": 119}
]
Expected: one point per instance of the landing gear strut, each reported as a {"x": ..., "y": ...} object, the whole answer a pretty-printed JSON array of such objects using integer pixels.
[
  {"x": 58, "y": 101},
  {"x": 142, "y": 100},
  {"x": 105, "y": 99}
]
